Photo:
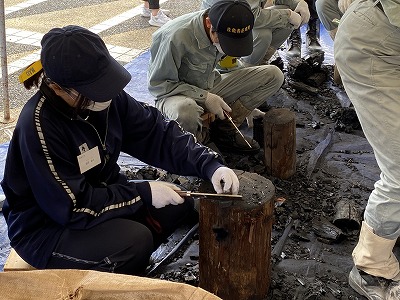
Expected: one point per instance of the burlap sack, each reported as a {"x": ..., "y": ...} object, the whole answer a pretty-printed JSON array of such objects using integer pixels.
[{"x": 81, "y": 284}]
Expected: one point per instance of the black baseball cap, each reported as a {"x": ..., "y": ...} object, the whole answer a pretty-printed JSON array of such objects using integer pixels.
[
  {"x": 233, "y": 20},
  {"x": 75, "y": 57}
]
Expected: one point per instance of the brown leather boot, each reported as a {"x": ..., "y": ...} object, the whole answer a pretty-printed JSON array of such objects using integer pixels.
[{"x": 227, "y": 138}]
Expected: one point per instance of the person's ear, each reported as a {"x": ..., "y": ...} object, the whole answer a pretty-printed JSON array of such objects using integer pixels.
[{"x": 208, "y": 23}]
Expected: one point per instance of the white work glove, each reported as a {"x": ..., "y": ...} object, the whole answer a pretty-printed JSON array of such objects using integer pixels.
[
  {"x": 225, "y": 181},
  {"x": 216, "y": 105},
  {"x": 163, "y": 193},
  {"x": 302, "y": 9},
  {"x": 255, "y": 114},
  {"x": 344, "y": 5},
  {"x": 295, "y": 19}
]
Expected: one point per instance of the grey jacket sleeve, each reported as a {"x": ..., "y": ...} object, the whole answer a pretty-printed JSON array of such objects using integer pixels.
[
  {"x": 290, "y": 3},
  {"x": 163, "y": 72}
]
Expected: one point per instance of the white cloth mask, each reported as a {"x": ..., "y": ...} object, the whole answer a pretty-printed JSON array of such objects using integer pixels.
[
  {"x": 98, "y": 106},
  {"x": 219, "y": 48}
]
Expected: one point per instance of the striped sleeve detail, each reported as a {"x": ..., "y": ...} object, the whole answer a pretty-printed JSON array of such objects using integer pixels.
[
  {"x": 107, "y": 208},
  {"x": 46, "y": 151}
]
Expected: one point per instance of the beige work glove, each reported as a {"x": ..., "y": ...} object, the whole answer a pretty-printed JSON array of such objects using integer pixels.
[
  {"x": 163, "y": 193},
  {"x": 225, "y": 181},
  {"x": 303, "y": 11},
  {"x": 344, "y": 5},
  {"x": 295, "y": 19},
  {"x": 255, "y": 114},
  {"x": 216, "y": 105}
]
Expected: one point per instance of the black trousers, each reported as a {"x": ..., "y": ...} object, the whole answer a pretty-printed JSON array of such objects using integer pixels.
[
  {"x": 153, "y": 4},
  {"x": 120, "y": 245}
]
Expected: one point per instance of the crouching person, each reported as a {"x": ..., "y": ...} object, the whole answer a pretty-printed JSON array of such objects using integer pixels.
[{"x": 184, "y": 79}]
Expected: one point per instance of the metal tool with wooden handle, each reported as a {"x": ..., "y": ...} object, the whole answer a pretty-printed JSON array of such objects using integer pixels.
[
  {"x": 210, "y": 195},
  {"x": 237, "y": 129}
]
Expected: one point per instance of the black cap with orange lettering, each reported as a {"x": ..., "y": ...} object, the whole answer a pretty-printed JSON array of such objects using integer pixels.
[{"x": 233, "y": 20}]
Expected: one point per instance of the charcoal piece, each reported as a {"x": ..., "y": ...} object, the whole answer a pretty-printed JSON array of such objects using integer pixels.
[
  {"x": 298, "y": 68},
  {"x": 326, "y": 230},
  {"x": 348, "y": 215}
]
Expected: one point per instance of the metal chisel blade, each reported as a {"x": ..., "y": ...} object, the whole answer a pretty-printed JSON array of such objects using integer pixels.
[
  {"x": 237, "y": 129},
  {"x": 209, "y": 195}
]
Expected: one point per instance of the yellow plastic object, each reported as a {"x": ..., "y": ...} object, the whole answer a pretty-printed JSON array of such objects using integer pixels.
[
  {"x": 228, "y": 62},
  {"x": 31, "y": 70}
]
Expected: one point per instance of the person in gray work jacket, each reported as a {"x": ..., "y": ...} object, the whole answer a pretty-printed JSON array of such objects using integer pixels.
[
  {"x": 67, "y": 204},
  {"x": 367, "y": 54},
  {"x": 183, "y": 78},
  {"x": 274, "y": 22}
]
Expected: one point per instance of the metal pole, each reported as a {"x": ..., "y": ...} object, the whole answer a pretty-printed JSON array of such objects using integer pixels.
[{"x": 4, "y": 72}]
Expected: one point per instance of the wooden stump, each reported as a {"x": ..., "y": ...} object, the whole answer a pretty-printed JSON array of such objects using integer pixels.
[
  {"x": 235, "y": 241},
  {"x": 280, "y": 142}
]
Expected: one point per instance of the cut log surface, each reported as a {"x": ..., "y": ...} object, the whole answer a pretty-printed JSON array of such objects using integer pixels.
[{"x": 235, "y": 241}]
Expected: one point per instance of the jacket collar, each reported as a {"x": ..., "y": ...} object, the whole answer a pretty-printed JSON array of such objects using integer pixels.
[{"x": 199, "y": 32}]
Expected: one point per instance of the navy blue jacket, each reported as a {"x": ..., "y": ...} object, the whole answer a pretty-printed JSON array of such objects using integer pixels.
[{"x": 44, "y": 188}]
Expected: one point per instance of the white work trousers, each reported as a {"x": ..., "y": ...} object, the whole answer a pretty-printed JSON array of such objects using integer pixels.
[{"x": 367, "y": 54}]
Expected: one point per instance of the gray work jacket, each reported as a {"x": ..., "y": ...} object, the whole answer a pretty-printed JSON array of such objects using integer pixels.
[{"x": 183, "y": 59}]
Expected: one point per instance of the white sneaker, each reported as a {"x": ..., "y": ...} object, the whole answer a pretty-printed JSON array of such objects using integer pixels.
[
  {"x": 159, "y": 20},
  {"x": 146, "y": 12}
]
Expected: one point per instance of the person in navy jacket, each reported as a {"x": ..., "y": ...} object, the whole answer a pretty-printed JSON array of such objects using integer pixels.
[{"x": 67, "y": 203}]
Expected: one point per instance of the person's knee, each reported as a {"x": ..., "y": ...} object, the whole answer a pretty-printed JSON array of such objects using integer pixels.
[
  {"x": 320, "y": 6},
  {"x": 327, "y": 10},
  {"x": 275, "y": 75},
  {"x": 146, "y": 238},
  {"x": 189, "y": 117},
  {"x": 262, "y": 41},
  {"x": 134, "y": 259},
  {"x": 263, "y": 36}
]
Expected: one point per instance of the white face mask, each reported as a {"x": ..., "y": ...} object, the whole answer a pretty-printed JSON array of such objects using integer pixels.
[
  {"x": 98, "y": 106},
  {"x": 218, "y": 46}
]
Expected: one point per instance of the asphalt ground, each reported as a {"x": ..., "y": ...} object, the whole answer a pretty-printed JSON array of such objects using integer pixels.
[{"x": 118, "y": 22}]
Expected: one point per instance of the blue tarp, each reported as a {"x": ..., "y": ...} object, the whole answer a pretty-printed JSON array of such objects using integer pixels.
[{"x": 3, "y": 155}]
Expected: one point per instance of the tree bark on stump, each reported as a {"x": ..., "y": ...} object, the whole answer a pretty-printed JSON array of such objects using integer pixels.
[
  {"x": 280, "y": 142},
  {"x": 235, "y": 241}
]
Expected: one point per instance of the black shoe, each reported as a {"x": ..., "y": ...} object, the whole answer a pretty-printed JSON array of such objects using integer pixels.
[
  {"x": 313, "y": 43},
  {"x": 294, "y": 50},
  {"x": 312, "y": 35},
  {"x": 294, "y": 44}
]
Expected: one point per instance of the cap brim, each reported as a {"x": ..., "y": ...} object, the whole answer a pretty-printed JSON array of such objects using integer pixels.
[
  {"x": 109, "y": 85},
  {"x": 236, "y": 47}
]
